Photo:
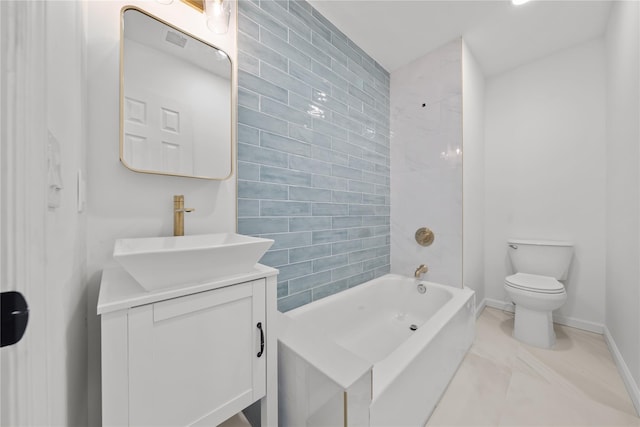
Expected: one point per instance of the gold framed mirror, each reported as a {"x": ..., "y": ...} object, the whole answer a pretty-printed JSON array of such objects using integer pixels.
[{"x": 176, "y": 100}]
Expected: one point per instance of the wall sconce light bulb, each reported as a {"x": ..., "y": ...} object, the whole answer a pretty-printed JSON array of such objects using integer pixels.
[
  {"x": 217, "y": 8},
  {"x": 217, "y": 13}
]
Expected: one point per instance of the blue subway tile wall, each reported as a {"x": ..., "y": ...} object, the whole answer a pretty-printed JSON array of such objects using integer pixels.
[{"x": 313, "y": 150}]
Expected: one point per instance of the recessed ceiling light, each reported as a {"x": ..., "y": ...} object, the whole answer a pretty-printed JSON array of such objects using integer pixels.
[{"x": 519, "y": 2}]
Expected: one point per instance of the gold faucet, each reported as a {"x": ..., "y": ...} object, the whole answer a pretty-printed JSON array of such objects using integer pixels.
[
  {"x": 420, "y": 271},
  {"x": 178, "y": 214}
]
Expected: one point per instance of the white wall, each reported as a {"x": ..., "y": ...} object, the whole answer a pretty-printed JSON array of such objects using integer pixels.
[
  {"x": 623, "y": 214},
  {"x": 426, "y": 164},
  {"x": 65, "y": 264},
  {"x": 472, "y": 174},
  {"x": 122, "y": 203},
  {"x": 545, "y": 171}
]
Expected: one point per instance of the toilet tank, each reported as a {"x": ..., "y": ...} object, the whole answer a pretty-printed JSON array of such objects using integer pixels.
[{"x": 544, "y": 257}]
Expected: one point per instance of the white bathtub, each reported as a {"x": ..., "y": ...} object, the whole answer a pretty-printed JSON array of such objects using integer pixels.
[{"x": 375, "y": 322}]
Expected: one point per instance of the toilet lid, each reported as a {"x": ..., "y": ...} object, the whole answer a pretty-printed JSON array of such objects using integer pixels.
[{"x": 535, "y": 283}]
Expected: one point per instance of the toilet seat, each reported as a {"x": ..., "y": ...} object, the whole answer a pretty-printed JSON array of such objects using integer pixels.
[{"x": 535, "y": 283}]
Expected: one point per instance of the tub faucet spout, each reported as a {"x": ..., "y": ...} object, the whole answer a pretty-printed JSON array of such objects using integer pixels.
[{"x": 420, "y": 271}]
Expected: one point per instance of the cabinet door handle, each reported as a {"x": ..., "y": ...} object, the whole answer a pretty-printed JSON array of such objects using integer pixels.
[{"x": 259, "y": 326}]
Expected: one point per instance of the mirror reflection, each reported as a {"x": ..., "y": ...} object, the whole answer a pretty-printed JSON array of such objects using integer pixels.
[{"x": 175, "y": 101}]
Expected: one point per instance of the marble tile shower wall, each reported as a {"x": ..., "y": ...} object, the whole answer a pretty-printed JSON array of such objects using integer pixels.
[{"x": 313, "y": 150}]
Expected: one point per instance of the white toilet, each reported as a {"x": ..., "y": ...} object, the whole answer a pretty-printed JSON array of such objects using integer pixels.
[{"x": 535, "y": 288}]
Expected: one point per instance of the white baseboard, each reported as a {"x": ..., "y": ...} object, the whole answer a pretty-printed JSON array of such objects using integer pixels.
[
  {"x": 481, "y": 307},
  {"x": 623, "y": 369},
  {"x": 500, "y": 305},
  {"x": 585, "y": 325}
]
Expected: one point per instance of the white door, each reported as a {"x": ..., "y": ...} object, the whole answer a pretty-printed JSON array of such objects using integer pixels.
[
  {"x": 23, "y": 373},
  {"x": 157, "y": 133}
]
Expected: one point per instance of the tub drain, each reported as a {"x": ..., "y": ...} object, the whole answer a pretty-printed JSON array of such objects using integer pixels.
[{"x": 413, "y": 327}]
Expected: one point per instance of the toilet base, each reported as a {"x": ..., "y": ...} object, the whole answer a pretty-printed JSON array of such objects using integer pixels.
[{"x": 534, "y": 327}]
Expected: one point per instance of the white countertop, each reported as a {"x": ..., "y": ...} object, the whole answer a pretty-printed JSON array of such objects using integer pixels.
[{"x": 120, "y": 291}]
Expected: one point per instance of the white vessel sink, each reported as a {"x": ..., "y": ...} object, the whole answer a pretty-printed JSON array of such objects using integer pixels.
[{"x": 161, "y": 262}]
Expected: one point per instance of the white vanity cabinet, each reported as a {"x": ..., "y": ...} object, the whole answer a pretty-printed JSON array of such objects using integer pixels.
[{"x": 188, "y": 356}]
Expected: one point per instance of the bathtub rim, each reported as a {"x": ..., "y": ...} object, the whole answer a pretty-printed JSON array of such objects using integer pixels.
[
  {"x": 340, "y": 365},
  {"x": 359, "y": 288}
]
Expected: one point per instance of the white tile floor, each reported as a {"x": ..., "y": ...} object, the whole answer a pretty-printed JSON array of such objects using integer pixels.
[{"x": 502, "y": 382}]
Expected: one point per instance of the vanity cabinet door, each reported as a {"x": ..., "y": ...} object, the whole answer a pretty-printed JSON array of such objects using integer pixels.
[{"x": 194, "y": 360}]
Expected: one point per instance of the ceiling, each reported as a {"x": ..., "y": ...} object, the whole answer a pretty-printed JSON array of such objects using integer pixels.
[{"x": 501, "y": 36}]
